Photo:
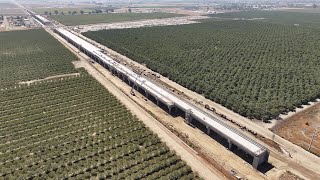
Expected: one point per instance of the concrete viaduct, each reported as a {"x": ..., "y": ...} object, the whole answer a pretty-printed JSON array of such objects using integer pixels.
[{"x": 234, "y": 137}]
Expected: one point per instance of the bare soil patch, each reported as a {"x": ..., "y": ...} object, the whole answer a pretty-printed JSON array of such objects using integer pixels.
[
  {"x": 140, "y": 23},
  {"x": 289, "y": 176},
  {"x": 299, "y": 129}
]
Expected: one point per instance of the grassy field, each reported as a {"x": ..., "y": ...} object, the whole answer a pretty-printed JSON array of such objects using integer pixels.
[
  {"x": 32, "y": 54},
  {"x": 108, "y": 18},
  {"x": 254, "y": 68},
  {"x": 73, "y": 128},
  {"x": 279, "y": 17},
  {"x": 64, "y": 10}
]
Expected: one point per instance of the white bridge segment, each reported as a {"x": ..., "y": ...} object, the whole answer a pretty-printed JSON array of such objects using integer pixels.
[
  {"x": 44, "y": 20},
  {"x": 134, "y": 77},
  {"x": 84, "y": 44},
  {"x": 213, "y": 122},
  {"x": 119, "y": 67}
]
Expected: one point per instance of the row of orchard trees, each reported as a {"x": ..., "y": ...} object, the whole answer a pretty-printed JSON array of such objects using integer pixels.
[
  {"x": 256, "y": 69},
  {"x": 74, "y": 12},
  {"x": 73, "y": 128},
  {"x": 31, "y": 54}
]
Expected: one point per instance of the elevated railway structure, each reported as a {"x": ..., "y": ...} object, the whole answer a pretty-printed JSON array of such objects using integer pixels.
[
  {"x": 39, "y": 18},
  {"x": 234, "y": 137}
]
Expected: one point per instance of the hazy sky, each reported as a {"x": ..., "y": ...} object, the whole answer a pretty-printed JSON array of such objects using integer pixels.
[{"x": 155, "y": 1}]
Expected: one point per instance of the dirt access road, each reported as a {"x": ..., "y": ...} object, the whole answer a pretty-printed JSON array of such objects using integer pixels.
[
  {"x": 197, "y": 163},
  {"x": 49, "y": 78},
  {"x": 295, "y": 159}
]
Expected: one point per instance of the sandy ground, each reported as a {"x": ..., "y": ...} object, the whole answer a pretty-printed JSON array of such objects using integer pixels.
[
  {"x": 300, "y": 128},
  {"x": 5, "y": 26},
  {"x": 196, "y": 162},
  {"x": 295, "y": 159},
  {"x": 141, "y": 23},
  {"x": 167, "y": 10}
]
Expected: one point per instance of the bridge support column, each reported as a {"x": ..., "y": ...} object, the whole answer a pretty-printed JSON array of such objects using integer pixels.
[
  {"x": 208, "y": 130},
  {"x": 255, "y": 162},
  {"x": 230, "y": 144},
  {"x": 170, "y": 109},
  {"x": 157, "y": 101},
  {"x": 147, "y": 94},
  {"x": 188, "y": 117}
]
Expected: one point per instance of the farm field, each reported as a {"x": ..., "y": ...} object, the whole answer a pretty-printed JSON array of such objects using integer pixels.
[
  {"x": 299, "y": 128},
  {"x": 279, "y": 17},
  {"x": 254, "y": 68},
  {"x": 60, "y": 10},
  {"x": 9, "y": 9},
  {"x": 72, "y": 20},
  {"x": 301, "y": 10},
  {"x": 4, "y": 4},
  {"x": 73, "y": 128},
  {"x": 31, "y": 54}
]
